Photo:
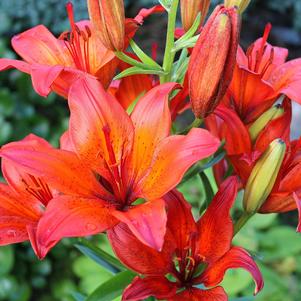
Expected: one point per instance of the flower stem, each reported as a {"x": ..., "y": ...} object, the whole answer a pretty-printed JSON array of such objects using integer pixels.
[
  {"x": 169, "y": 55},
  {"x": 195, "y": 124},
  {"x": 242, "y": 221}
]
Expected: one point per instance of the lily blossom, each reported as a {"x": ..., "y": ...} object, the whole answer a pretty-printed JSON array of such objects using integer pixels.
[
  {"x": 260, "y": 76},
  {"x": 54, "y": 64},
  {"x": 23, "y": 201},
  {"x": 193, "y": 254},
  {"x": 116, "y": 159}
]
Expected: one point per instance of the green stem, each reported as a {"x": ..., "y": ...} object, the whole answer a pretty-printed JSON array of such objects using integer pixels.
[
  {"x": 169, "y": 55},
  {"x": 242, "y": 221}
]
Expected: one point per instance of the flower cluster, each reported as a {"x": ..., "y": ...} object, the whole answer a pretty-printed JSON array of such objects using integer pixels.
[{"x": 121, "y": 158}]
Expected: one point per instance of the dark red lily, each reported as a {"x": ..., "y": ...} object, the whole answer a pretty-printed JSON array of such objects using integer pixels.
[
  {"x": 193, "y": 254},
  {"x": 112, "y": 160},
  {"x": 260, "y": 76}
]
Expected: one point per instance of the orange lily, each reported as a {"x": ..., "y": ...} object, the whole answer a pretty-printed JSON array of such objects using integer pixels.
[
  {"x": 22, "y": 201},
  {"x": 54, "y": 64},
  {"x": 260, "y": 76},
  {"x": 127, "y": 157},
  {"x": 193, "y": 254}
]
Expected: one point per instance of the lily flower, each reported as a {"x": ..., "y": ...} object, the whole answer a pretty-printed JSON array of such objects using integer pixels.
[
  {"x": 194, "y": 254},
  {"x": 55, "y": 63},
  {"x": 124, "y": 158},
  {"x": 22, "y": 201},
  {"x": 260, "y": 76}
]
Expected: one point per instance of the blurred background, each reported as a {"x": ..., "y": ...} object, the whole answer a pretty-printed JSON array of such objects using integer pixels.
[{"x": 271, "y": 238}]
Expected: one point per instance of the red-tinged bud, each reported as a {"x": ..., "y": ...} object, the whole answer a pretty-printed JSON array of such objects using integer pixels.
[
  {"x": 108, "y": 19},
  {"x": 240, "y": 4},
  {"x": 212, "y": 61},
  {"x": 190, "y": 10}
]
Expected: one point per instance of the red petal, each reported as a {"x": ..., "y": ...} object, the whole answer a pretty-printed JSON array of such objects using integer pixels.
[
  {"x": 9, "y": 63},
  {"x": 68, "y": 216},
  {"x": 228, "y": 126},
  {"x": 38, "y": 45},
  {"x": 151, "y": 119},
  {"x": 95, "y": 114},
  {"x": 147, "y": 222},
  {"x": 61, "y": 169},
  {"x": 235, "y": 258},
  {"x": 146, "y": 12},
  {"x": 194, "y": 294},
  {"x": 139, "y": 257},
  {"x": 298, "y": 202},
  {"x": 180, "y": 221},
  {"x": 215, "y": 226},
  {"x": 140, "y": 289},
  {"x": 173, "y": 157},
  {"x": 286, "y": 79}
]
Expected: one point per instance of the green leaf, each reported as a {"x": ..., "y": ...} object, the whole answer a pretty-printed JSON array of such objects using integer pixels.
[
  {"x": 137, "y": 70},
  {"x": 192, "y": 30},
  {"x": 78, "y": 296},
  {"x": 243, "y": 299},
  {"x": 6, "y": 259},
  {"x": 101, "y": 257},
  {"x": 208, "y": 190},
  {"x": 112, "y": 288},
  {"x": 144, "y": 57}
]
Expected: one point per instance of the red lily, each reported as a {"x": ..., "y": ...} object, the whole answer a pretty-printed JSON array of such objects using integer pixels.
[
  {"x": 22, "y": 200},
  {"x": 243, "y": 153},
  {"x": 193, "y": 253},
  {"x": 54, "y": 64},
  {"x": 260, "y": 76},
  {"x": 124, "y": 158}
]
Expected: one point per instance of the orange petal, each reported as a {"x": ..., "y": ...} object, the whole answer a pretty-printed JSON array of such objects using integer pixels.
[
  {"x": 61, "y": 169},
  {"x": 68, "y": 216},
  {"x": 151, "y": 119},
  {"x": 174, "y": 155},
  {"x": 100, "y": 129},
  {"x": 195, "y": 294},
  {"x": 147, "y": 222}
]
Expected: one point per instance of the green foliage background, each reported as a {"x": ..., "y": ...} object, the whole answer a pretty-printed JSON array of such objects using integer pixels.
[{"x": 22, "y": 277}]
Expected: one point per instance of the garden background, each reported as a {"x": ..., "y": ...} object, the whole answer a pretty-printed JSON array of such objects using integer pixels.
[{"x": 272, "y": 239}]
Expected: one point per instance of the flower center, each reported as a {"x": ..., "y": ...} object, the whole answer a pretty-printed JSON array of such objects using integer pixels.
[
  {"x": 77, "y": 42},
  {"x": 38, "y": 188}
]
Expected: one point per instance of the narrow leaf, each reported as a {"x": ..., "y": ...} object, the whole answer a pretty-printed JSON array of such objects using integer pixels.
[
  {"x": 208, "y": 190},
  {"x": 99, "y": 256},
  {"x": 144, "y": 57},
  {"x": 78, "y": 296},
  {"x": 112, "y": 288},
  {"x": 137, "y": 70}
]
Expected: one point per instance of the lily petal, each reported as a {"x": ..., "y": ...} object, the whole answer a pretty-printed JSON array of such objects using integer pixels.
[
  {"x": 61, "y": 169},
  {"x": 140, "y": 289},
  {"x": 9, "y": 63},
  {"x": 100, "y": 129},
  {"x": 147, "y": 222},
  {"x": 68, "y": 216},
  {"x": 152, "y": 122},
  {"x": 173, "y": 157},
  {"x": 194, "y": 294},
  {"x": 215, "y": 226},
  {"x": 298, "y": 202},
  {"x": 235, "y": 258},
  {"x": 139, "y": 257}
]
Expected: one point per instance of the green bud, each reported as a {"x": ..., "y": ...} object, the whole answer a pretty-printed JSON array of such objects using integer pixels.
[
  {"x": 263, "y": 176},
  {"x": 240, "y": 4},
  {"x": 260, "y": 123}
]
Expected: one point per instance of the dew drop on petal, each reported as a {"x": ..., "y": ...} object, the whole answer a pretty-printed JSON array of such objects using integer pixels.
[
  {"x": 11, "y": 233},
  {"x": 90, "y": 227}
]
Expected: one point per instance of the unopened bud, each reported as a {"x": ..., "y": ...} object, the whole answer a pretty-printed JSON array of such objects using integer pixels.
[
  {"x": 260, "y": 123},
  {"x": 240, "y": 4},
  {"x": 212, "y": 61},
  {"x": 108, "y": 19},
  {"x": 263, "y": 176},
  {"x": 190, "y": 9}
]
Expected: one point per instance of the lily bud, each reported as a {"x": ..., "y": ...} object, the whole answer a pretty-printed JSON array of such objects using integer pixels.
[
  {"x": 240, "y": 4},
  {"x": 263, "y": 176},
  {"x": 260, "y": 123},
  {"x": 190, "y": 10},
  {"x": 108, "y": 19},
  {"x": 212, "y": 61}
]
